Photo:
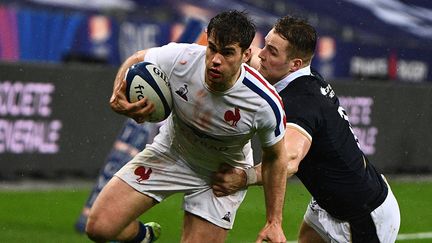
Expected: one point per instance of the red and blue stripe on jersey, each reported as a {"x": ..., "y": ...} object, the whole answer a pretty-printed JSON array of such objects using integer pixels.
[{"x": 269, "y": 95}]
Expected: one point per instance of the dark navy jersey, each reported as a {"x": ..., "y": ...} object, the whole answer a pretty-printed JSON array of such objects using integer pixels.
[{"x": 335, "y": 170}]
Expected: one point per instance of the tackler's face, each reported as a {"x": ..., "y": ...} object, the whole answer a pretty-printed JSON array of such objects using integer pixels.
[
  {"x": 222, "y": 64},
  {"x": 274, "y": 63}
]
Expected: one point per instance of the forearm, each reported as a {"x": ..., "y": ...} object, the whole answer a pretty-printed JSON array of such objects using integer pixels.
[
  {"x": 135, "y": 58},
  {"x": 254, "y": 174},
  {"x": 274, "y": 176},
  {"x": 140, "y": 110},
  {"x": 297, "y": 146}
]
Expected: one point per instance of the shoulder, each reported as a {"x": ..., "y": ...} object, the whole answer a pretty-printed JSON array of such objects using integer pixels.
[
  {"x": 309, "y": 85},
  {"x": 174, "y": 47},
  {"x": 184, "y": 46},
  {"x": 271, "y": 105},
  {"x": 190, "y": 51},
  {"x": 175, "y": 56},
  {"x": 256, "y": 82}
]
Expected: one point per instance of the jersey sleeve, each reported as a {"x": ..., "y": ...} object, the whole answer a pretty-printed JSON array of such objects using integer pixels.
[
  {"x": 271, "y": 124},
  {"x": 303, "y": 114},
  {"x": 165, "y": 56}
]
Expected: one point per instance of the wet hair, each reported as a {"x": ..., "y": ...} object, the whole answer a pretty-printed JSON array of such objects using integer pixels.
[
  {"x": 301, "y": 36},
  {"x": 232, "y": 27}
]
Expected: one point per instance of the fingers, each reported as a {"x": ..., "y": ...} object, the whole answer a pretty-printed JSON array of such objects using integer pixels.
[
  {"x": 221, "y": 189},
  {"x": 218, "y": 191},
  {"x": 261, "y": 239},
  {"x": 141, "y": 110},
  {"x": 271, "y": 233},
  {"x": 228, "y": 180},
  {"x": 138, "y": 111}
]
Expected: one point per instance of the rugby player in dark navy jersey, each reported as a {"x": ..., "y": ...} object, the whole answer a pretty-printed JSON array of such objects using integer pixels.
[{"x": 351, "y": 201}]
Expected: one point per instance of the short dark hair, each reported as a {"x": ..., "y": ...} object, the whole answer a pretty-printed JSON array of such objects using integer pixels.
[
  {"x": 232, "y": 27},
  {"x": 302, "y": 36}
]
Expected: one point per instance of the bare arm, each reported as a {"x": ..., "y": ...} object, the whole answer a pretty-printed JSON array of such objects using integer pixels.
[
  {"x": 297, "y": 145},
  {"x": 229, "y": 180},
  {"x": 118, "y": 102},
  {"x": 274, "y": 174}
]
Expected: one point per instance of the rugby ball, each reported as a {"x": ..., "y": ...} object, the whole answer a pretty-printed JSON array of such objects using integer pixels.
[{"x": 145, "y": 79}]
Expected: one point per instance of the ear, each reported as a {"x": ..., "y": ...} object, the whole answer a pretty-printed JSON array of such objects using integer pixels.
[
  {"x": 296, "y": 64},
  {"x": 247, "y": 55}
]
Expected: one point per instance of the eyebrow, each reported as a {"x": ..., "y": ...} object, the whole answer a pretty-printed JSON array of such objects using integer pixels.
[
  {"x": 229, "y": 49},
  {"x": 225, "y": 48},
  {"x": 273, "y": 48}
]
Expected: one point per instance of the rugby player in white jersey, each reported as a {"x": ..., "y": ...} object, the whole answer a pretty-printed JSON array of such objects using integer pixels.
[
  {"x": 219, "y": 105},
  {"x": 352, "y": 201}
]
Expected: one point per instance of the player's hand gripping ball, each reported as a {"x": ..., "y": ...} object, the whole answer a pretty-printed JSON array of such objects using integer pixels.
[{"x": 145, "y": 79}]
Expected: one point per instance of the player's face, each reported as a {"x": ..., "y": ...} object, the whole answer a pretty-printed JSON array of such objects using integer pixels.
[
  {"x": 223, "y": 64},
  {"x": 274, "y": 64}
]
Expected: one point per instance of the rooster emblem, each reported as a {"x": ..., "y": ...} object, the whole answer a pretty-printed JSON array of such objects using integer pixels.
[
  {"x": 232, "y": 117},
  {"x": 142, "y": 173}
]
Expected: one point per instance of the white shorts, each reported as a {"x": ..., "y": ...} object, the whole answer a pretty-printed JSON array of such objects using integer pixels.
[
  {"x": 386, "y": 218},
  {"x": 159, "y": 175}
]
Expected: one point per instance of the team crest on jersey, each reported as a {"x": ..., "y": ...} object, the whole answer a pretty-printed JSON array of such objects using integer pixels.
[
  {"x": 182, "y": 91},
  {"x": 142, "y": 173},
  {"x": 327, "y": 91},
  {"x": 232, "y": 117}
]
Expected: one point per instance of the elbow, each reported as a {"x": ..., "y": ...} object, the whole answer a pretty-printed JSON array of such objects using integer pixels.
[
  {"x": 293, "y": 161},
  {"x": 139, "y": 55},
  {"x": 291, "y": 169}
]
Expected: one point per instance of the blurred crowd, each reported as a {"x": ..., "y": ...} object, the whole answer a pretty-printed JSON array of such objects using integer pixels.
[{"x": 386, "y": 41}]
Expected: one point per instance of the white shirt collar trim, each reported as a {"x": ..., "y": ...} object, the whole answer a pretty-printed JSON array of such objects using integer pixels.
[{"x": 285, "y": 81}]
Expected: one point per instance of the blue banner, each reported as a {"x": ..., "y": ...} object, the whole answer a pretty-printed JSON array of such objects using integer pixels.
[
  {"x": 46, "y": 35},
  {"x": 335, "y": 60}
]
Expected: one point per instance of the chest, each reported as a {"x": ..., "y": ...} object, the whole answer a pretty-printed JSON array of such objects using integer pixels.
[{"x": 225, "y": 114}]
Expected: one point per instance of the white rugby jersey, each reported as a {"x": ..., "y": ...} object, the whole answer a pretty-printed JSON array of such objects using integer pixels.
[{"x": 207, "y": 128}]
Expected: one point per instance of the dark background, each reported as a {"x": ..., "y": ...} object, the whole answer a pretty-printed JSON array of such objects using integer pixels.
[
  {"x": 400, "y": 113},
  {"x": 81, "y": 103}
]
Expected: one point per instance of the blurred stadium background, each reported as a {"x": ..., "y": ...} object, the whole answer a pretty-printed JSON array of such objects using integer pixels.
[{"x": 58, "y": 59}]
